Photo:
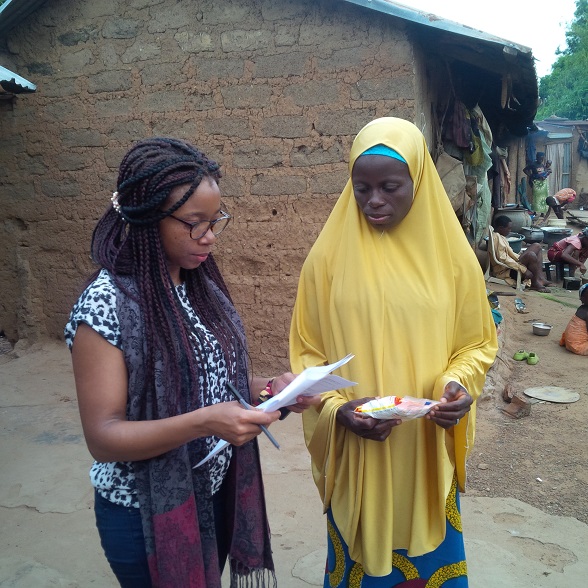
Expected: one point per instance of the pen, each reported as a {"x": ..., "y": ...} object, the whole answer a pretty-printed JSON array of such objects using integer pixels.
[{"x": 244, "y": 404}]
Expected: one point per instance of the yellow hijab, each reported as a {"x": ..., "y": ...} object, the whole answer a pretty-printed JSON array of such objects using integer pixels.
[{"x": 411, "y": 304}]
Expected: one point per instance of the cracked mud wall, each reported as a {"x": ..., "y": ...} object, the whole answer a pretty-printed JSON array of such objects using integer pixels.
[{"x": 274, "y": 90}]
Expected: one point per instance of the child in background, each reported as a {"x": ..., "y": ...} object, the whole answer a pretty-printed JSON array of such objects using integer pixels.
[
  {"x": 572, "y": 250},
  {"x": 575, "y": 337}
]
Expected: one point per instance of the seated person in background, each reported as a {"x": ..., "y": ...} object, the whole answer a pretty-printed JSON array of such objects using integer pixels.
[
  {"x": 529, "y": 263},
  {"x": 572, "y": 250},
  {"x": 559, "y": 201},
  {"x": 575, "y": 337}
]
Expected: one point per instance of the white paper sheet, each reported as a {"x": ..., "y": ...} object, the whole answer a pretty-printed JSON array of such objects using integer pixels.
[{"x": 312, "y": 381}]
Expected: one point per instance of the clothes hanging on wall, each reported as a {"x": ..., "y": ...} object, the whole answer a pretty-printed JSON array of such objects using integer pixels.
[
  {"x": 484, "y": 197},
  {"x": 494, "y": 177},
  {"x": 457, "y": 127}
]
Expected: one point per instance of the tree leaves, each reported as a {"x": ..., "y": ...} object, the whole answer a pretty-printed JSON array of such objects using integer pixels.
[{"x": 564, "y": 92}]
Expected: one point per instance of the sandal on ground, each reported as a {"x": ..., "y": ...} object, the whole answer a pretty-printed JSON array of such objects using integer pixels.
[
  {"x": 532, "y": 359},
  {"x": 520, "y": 355}
]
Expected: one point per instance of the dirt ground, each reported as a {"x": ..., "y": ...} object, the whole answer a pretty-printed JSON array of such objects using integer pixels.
[
  {"x": 539, "y": 459},
  {"x": 515, "y": 534},
  {"x": 524, "y": 510}
]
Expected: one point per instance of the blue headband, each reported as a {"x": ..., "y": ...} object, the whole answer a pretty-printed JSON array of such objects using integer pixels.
[
  {"x": 383, "y": 150},
  {"x": 582, "y": 288}
]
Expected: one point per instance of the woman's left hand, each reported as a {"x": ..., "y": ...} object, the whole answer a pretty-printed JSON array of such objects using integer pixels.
[
  {"x": 454, "y": 405},
  {"x": 304, "y": 402}
]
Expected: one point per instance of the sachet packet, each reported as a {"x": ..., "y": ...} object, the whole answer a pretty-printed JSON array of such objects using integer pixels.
[{"x": 394, "y": 407}]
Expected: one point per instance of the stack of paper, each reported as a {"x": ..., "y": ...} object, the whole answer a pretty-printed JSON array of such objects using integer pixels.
[{"x": 312, "y": 381}]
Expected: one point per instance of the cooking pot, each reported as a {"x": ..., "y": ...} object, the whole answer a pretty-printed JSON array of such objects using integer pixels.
[
  {"x": 532, "y": 234},
  {"x": 519, "y": 217},
  {"x": 552, "y": 235}
]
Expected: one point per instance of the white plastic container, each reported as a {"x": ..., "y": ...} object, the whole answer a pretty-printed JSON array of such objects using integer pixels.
[{"x": 556, "y": 222}]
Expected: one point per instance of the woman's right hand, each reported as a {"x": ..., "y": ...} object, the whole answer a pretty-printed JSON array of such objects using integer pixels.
[
  {"x": 362, "y": 426},
  {"x": 233, "y": 423}
]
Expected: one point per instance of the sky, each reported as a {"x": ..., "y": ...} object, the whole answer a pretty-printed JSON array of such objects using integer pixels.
[{"x": 542, "y": 29}]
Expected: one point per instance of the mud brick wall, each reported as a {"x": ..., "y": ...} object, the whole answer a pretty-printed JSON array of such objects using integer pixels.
[{"x": 275, "y": 90}]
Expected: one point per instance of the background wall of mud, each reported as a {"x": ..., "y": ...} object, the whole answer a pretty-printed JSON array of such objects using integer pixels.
[{"x": 275, "y": 90}]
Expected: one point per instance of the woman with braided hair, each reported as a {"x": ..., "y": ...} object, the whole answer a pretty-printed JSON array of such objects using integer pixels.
[{"x": 155, "y": 339}]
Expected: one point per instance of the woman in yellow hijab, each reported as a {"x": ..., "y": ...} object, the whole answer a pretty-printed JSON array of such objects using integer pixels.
[{"x": 393, "y": 280}]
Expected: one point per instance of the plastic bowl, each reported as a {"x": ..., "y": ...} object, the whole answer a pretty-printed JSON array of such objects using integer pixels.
[
  {"x": 541, "y": 329},
  {"x": 556, "y": 222}
]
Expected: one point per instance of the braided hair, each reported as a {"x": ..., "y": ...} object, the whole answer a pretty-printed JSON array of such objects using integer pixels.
[{"x": 126, "y": 242}]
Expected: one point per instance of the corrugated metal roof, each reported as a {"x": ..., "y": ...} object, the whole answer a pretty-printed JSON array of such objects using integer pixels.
[
  {"x": 554, "y": 122},
  {"x": 14, "y": 11},
  {"x": 557, "y": 128},
  {"x": 431, "y": 20},
  {"x": 13, "y": 83}
]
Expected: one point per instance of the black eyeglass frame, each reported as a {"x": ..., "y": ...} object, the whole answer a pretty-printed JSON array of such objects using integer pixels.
[{"x": 225, "y": 216}]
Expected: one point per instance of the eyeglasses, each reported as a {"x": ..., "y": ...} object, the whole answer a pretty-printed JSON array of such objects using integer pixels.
[{"x": 200, "y": 228}]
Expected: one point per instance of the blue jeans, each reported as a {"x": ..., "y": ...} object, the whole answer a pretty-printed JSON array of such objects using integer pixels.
[{"x": 121, "y": 536}]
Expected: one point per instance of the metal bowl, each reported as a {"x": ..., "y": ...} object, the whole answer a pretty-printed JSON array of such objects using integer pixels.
[
  {"x": 541, "y": 329},
  {"x": 532, "y": 234}
]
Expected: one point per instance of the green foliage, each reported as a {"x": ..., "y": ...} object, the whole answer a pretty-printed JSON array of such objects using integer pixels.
[{"x": 564, "y": 92}]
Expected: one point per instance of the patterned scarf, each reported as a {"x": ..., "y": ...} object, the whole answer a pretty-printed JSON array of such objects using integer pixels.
[{"x": 175, "y": 500}]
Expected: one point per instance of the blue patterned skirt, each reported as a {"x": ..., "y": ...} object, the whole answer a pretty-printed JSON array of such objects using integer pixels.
[{"x": 445, "y": 567}]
